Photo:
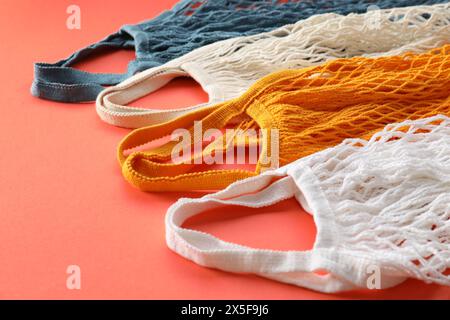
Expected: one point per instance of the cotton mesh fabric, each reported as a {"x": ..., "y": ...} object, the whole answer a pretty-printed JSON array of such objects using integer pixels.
[
  {"x": 188, "y": 25},
  {"x": 312, "y": 109},
  {"x": 226, "y": 69},
  {"x": 381, "y": 204}
]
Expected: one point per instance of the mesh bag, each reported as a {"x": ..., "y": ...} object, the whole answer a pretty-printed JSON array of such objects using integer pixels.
[
  {"x": 381, "y": 207},
  {"x": 190, "y": 24},
  {"x": 311, "y": 109},
  {"x": 228, "y": 68}
]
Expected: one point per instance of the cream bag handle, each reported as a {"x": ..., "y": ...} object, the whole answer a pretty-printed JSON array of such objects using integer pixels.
[
  {"x": 112, "y": 102},
  {"x": 345, "y": 271}
]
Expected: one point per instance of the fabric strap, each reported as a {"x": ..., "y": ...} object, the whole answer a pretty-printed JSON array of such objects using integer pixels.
[
  {"x": 61, "y": 82},
  {"x": 293, "y": 267},
  {"x": 112, "y": 103},
  {"x": 346, "y": 271},
  {"x": 150, "y": 170}
]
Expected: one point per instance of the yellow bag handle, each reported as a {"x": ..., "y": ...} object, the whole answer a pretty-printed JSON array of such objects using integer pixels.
[{"x": 149, "y": 170}]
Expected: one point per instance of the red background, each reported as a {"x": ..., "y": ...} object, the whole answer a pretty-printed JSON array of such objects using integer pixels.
[{"x": 63, "y": 200}]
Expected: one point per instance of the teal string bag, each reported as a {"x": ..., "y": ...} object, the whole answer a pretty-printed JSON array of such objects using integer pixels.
[{"x": 190, "y": 24}]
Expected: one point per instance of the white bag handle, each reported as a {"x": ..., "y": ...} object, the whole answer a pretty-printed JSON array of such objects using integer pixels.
[
  {"x": 346, "y": 271},
  {"x": 112, "y": 102},
  {"x": 294, "y": 267}
]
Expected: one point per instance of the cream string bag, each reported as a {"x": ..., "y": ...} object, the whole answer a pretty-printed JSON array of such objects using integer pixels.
[
  {"x": 382, "y": 203},
  {"x": 228, "y": 68}
]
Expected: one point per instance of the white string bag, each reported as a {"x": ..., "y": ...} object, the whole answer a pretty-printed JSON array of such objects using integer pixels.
[
  {"x": 382, "y": 203},
  {"x": 228, "y": 68}
]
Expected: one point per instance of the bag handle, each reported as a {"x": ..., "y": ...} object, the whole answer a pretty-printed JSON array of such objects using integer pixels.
[
  {"x": 149, "y": 170},
  {"x": 60, "y": 82},
  {"x": 293, "y": 267},
  {"x": 112, "y": 102}
]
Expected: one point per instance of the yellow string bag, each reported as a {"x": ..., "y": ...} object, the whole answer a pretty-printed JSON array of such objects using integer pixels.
[{"x": 312, "y": 109}]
